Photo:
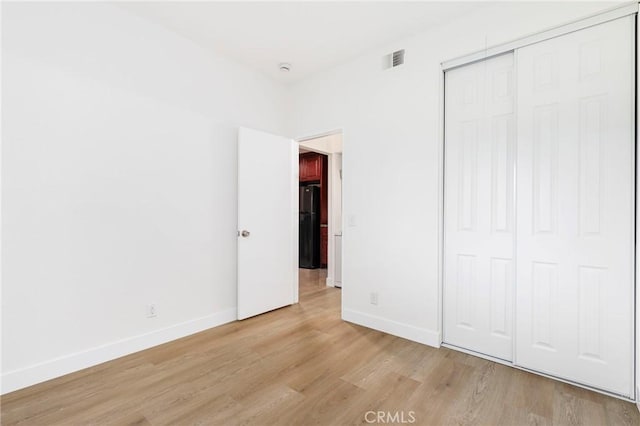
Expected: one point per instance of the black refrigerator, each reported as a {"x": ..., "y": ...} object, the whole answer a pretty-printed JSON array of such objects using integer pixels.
[{"x": 309, "y": 227}]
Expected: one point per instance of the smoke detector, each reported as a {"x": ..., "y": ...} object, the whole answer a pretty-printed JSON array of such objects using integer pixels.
[{"x": 285, "y": 67}]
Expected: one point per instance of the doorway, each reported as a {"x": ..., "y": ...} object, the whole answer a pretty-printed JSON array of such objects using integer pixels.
[
  {"x": 268, "y": 240},
  {"x": 320, "y": 210}
]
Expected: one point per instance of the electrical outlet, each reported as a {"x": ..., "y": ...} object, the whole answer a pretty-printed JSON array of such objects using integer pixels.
[
  {"x": 152, "y": 311},
  {"x": 373, "y": 298}
]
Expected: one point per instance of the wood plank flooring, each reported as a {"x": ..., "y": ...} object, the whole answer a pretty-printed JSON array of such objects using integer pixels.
[{"x": 302, "y": 365}]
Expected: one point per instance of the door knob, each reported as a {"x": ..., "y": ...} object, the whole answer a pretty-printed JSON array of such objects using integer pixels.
[{"x": 245, "y": 233}]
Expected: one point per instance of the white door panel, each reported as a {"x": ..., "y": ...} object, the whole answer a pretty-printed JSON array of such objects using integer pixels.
[
  {"x": 478, "y": 221},
  {"x": 267, "y": 210},
  {"x": 575, "y": 206}
]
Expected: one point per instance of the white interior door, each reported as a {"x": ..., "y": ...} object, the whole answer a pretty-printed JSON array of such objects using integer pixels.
[
  {"x": 267, "y": 222},
  {"x": 575, "y": 204},
  {"x": 478, "y": 220}
]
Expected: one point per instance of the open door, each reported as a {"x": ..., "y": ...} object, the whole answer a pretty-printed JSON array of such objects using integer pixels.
[{"x": 267, "y": 222}]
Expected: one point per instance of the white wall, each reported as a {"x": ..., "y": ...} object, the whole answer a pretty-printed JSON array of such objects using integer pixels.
[
  {"x": 119, "y": 184},
  {"x": 392, "y": 158}
]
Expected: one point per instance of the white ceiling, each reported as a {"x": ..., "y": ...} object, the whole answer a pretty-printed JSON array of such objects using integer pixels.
[{"x": 312, "y": 36}]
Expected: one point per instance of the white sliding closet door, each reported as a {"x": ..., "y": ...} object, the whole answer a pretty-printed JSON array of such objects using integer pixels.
[
  {"x": 575, "y": 206},
  {"x": 478, "y": 220}
]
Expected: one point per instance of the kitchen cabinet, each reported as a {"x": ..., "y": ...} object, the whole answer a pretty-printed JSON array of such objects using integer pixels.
[
  {"x": 311, "y": 167},
  {"x": 324, "y": 245}
]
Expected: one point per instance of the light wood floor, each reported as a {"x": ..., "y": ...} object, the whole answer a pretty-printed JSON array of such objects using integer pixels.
[{"x": 302, "y": 365}]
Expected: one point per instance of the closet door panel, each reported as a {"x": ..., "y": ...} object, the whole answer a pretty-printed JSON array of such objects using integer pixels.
[
  {"x": 479, "y": 161},
  {"x": 575, "y": 206}
]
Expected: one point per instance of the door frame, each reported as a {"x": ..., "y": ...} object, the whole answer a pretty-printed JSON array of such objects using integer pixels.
[
  {"x": 616, "y": 12},
  {"x": 636, "y": 346}
]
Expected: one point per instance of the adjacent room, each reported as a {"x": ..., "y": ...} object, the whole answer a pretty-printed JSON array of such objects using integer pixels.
[
  {"x": 320, "y": 201},
  {"x": 328, "y": 213}
]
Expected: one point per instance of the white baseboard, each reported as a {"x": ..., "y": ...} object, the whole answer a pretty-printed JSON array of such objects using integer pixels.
[
  {"x": 406, "y": 331},
  {"x": 330, "y": 282},
  {"x": 18, "y": 379}
]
